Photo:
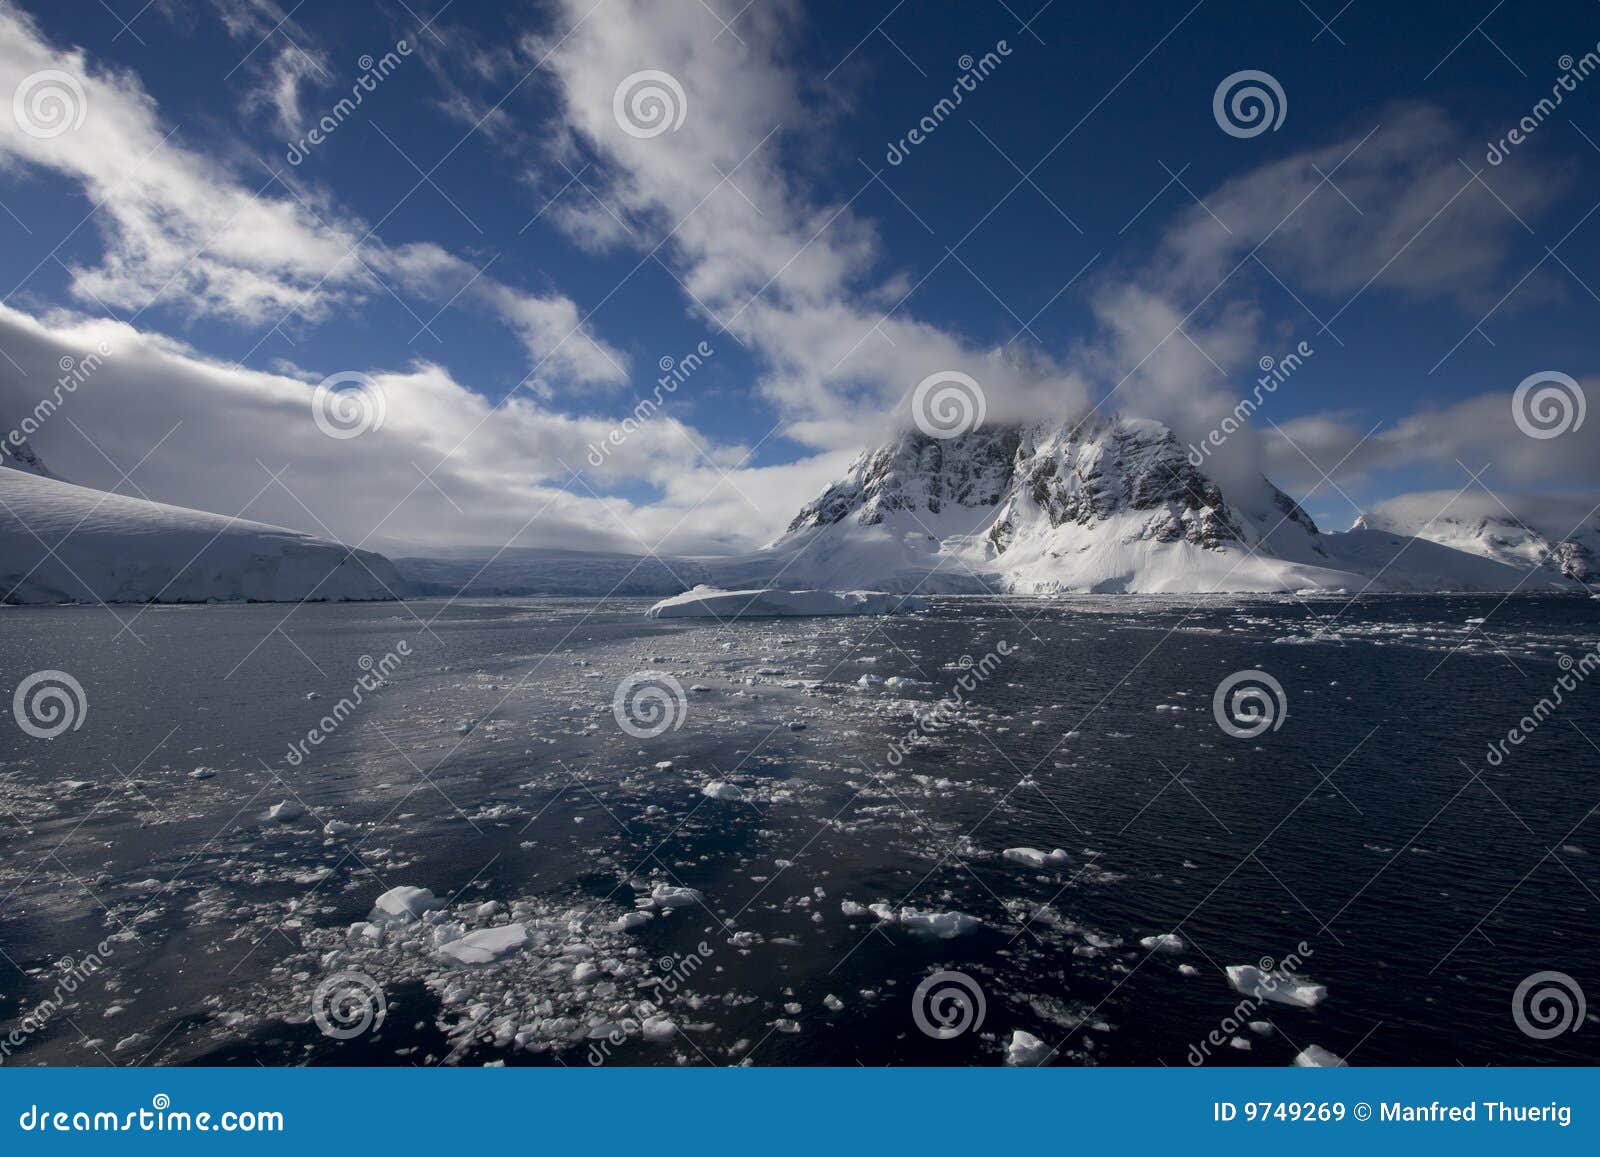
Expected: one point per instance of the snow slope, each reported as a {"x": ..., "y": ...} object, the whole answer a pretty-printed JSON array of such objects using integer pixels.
[
  {"x": 1561, "y": 535},
  {"x": 713, "y": 603},
  {"x": 1109, "y": 507},
  {"x": 66, "y": 543}
]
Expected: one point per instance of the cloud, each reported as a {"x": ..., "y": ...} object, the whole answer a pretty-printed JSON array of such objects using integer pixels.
[
  {"x": 444, "y": 468},
  {"x": 1463, "y": 436},
  {"x": 791, "y": 276},
  {"x": 182, "y": 231},
  {"x": 1389, "y": 209}
]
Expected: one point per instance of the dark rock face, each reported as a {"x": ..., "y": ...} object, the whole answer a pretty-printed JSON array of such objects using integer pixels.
[
  {"x": 919, "y": 473},
  {"x": 1575, "y": 560}
]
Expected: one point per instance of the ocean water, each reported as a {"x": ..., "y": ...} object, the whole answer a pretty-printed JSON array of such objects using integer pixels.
[{"x": 805, "y": 853}]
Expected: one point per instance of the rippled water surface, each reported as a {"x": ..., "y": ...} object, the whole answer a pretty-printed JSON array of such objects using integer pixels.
[{"x": 1368, "y": 835}]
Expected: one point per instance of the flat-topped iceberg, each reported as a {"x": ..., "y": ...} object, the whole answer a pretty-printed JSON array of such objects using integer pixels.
[{"x": 705, "y": 602}]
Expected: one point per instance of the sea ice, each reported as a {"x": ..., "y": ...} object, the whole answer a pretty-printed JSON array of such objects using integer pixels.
[
  {"x": 486, "y": 945},
  {"x": 1275, "y": 985},
  {"x": 1317, "y": 1057},
  {"x": 404, "y": 903},
  {"x": 705, "y": 602},
  {"x": 1034, "y": 858},
  {"x": 1025, "y": 1049}
]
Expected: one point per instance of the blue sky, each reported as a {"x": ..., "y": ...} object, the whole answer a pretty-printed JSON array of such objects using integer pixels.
[{"x": 508, "y": 243}]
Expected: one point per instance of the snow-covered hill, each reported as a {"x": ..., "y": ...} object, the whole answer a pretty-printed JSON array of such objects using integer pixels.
[
  {"x": 1113, "y": 506},
  {"x": 1559, "y": 535},
  {"x": 66, "y": 543}
]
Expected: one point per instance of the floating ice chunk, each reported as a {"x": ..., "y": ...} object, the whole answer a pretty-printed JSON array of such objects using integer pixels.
[
  {"x": 899, "y": 682},
  {"x": 628, "y": 921},
  {"x": 717, "y": 789},
  {"x": 1239, "y": 1043},
  {"x": 404, "y": 903},
  {"x": 1188, "y": 970},
  {"x": 1278, "y": 986},
  {"x": 944, "y": 925},
  {"x": 1025, "y": 1049},
  {"x": 286, "y": 812},
  {"x": 1261, "y": 1027},
  {"x": 851, "y": 908},
  {"x": 658, "y": 1028},
  {"x": 1166, "y": 942},
  {"x": 870, "y": 681},
  {"x": 705, "y": 602},
  {"x": 203, "y": 773},
  {"x": 1317, "y": 1057},
  {"x": 669, "y": 896},
  {"x": 1034, "y": 858},
  {"x": 832, "y": 1002},
  {"x": 486, "y": 945},
  {"x": 337, "y": 828},
  {"x": 585, "y": 972}
]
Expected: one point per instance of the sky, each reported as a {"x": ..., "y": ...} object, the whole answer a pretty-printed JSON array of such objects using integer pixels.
[{"x": 439, "y": 315}]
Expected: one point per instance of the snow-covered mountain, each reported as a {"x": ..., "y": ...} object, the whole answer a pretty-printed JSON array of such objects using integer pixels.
[
  {"x": 1559, "y": 535},
  {"x": 1109, "y": 506},
  {"x": 66, "y": 543}
]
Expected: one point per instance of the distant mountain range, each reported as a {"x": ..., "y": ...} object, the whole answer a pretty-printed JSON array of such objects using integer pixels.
[{"x": 1108, "y": 507}]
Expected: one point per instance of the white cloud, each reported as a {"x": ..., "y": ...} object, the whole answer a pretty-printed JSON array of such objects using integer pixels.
[
  {"x": 182, "y": 230},
  {"x": 496, "y": 474}
]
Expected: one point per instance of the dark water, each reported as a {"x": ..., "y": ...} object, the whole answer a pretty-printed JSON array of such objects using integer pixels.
[{"x": 1423, "y": 882}]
